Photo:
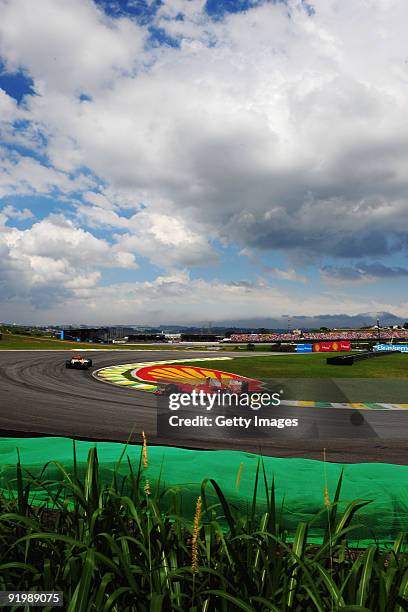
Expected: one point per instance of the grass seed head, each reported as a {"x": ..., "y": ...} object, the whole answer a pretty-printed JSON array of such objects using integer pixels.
[
  {"x": 194, "y": 540},
  {"x": 147, "y": 487},
  {"x": 326, "y": 489},
  {"x": 239, "y": 475},
  {"x": 145, "y": 457}
]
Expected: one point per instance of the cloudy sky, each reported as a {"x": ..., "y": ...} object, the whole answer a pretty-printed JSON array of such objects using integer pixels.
[{"x": 185, "y": 161}]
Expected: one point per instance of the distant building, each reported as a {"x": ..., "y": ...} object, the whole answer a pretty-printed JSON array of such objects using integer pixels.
[
  {"x": 135, "y": 338},
  {"x": 172, "y": 336},
  {"x": 87, "y": 334},
  {"x": 200, "y": 338},
  {"x": 121, "y": 332}
]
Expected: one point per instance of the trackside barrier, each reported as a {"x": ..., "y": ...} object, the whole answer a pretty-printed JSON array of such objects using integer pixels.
[
  {"x": 350, "y": 359},
  {"x": 299, "y": 483}
]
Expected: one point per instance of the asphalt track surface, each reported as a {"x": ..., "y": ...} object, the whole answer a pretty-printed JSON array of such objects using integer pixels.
[{"x": 39, "y": 396}]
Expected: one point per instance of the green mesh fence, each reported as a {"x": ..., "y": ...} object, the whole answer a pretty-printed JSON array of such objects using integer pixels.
[{"x": 299, "y": 483}]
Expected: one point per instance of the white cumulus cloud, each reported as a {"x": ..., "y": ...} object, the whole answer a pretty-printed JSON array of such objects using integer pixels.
[{"x": 275, "y": 129}]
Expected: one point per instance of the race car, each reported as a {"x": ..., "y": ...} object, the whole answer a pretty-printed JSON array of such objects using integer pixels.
[
  {"x": 78, "y": 362},
  {"x": 209, "y": 386}
]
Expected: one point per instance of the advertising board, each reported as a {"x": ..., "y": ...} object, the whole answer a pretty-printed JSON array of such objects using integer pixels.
[
  {"x": 304, "y": 348},
  {"x": 332, "y": 347},
  {"x": 403, "y": 348}
]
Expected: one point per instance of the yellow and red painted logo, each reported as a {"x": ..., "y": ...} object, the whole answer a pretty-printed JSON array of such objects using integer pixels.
[
  {"x": 155, "y": 377},
  {"x": 188, "y": 374},
  {"x": 192, "y": 376}
]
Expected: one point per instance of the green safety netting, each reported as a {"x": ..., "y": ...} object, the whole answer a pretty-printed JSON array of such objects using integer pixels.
[{"x": 299, "y": 483}]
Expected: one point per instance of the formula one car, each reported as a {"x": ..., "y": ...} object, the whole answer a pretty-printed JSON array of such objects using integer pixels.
[
  {"x": 78, "y": 362},
  {"x": 209, "y": 386}
]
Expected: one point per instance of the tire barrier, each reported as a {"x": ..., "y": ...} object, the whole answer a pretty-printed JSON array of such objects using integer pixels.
[{"x": 351, "y": 359}]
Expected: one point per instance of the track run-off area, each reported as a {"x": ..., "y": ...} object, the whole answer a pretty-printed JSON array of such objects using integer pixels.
[{"x": 39, "y": 396}]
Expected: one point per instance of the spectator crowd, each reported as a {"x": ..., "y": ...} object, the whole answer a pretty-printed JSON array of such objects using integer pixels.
[{"x": 344, "y": 334}]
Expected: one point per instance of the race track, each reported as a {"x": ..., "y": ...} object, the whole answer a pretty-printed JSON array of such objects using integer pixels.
[{"x": 39, "y": 396}]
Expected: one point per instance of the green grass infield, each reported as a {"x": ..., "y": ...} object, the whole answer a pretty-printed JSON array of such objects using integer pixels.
[{"x": 312, "y": 366}]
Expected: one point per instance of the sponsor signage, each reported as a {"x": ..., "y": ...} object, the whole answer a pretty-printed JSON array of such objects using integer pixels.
[
  {"x": 304, "y": 348},
  {"x": 331, "y": 347},
  {"x": 403, "y": 348}
]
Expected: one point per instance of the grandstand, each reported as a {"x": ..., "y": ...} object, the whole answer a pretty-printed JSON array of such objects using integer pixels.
[{"x": 319, "y": 336}]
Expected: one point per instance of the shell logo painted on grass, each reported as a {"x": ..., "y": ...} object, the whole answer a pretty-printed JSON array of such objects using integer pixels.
[
  {"x": 119, "y": 374},
  {"x": 192, "y": 376}
]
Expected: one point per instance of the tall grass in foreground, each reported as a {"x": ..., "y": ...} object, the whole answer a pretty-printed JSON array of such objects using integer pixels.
[{"x": 107, "y": 550}]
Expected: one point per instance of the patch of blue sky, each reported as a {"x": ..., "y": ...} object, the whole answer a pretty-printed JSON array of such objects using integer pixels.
[
  {"x": 270, "y": 264},
  {"x": 394, "y": 260},
  {"x": 16, "y": 85},
  {"x": 20, "y": 224},
  {"x": 128, "y": 213},
  {"x": 41, "y": 207},
  {"x": 159, "y": 37},
  {"x": 231, "y": 266},
  {"x": 85, "y": 98},
  {"x": 347, "y": 281},
  {"x": 102, "y": 233},
  {"x": 218, "y": 8},
  {"x": 86, "y": 171},
  {"x": 391, "y": 291},
  {"x": 38, "y": 152},
  {"x": 143, "y": 11},
  {"x": 27, "y": 151},
  {"x": 398, "y": 259}
]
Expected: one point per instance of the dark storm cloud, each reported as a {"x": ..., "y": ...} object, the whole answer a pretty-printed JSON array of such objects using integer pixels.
[{"x": 364, "y": 272}]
